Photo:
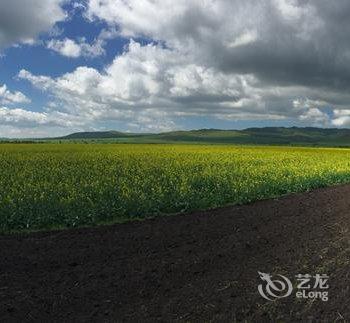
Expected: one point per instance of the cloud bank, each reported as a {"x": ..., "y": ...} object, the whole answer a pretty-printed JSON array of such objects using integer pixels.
[
  {"x": 21, "y": 21},
  {"x": 223, "y": 59}
]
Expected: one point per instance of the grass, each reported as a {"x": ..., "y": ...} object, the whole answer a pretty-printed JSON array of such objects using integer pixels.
[{"x": 66, "y": 185}]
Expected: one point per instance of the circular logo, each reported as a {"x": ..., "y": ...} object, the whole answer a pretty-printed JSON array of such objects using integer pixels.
[{"x": 274, "y": 288}]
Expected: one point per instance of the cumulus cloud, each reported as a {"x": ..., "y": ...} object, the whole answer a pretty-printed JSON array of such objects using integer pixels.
[
  {"x": 277, "y": 40},
  {"x": 151, "y": 84},
  {"x": 289, "y": 44},
  {"x": 66, "y": 47},
  {"x": 8, "y": 97},
  {"x": 72, "y": 48},
  {"x": 224, "y": 59},
  {"x": 21, "y": 21}
]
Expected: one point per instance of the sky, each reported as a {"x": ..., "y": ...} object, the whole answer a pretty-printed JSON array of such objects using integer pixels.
[{"x": 163, "y": 65}]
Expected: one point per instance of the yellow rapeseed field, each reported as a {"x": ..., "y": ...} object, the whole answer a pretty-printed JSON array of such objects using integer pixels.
[{"x": 64, "y": 185}]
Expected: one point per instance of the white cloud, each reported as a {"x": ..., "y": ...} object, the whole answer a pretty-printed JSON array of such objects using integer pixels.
[
  {"x": 20, "y": 116},
  {"x": 290, "y": 9},
  {"x": 21, "y": 21},
  {"x": 66, "y": 47},
  {"x": 315, "y": 116},
  {"x": 18, "y": 122},
  {"x": 26, "y": 118},
  {"x": 307, "y": 104},
  {"x": 341, "y": 118},
  {"x": 310, "y": 111},
  {"x": 42, "y": 82},
  {"x": 70, "y": 48},
  {"x": 8, "y": 97},
  {"x": 245, "y": 38}
]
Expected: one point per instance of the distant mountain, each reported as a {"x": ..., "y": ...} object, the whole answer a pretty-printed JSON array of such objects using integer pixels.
[
  {"x": 268, "y": 136},
  {"x": 96, "y": 135}
]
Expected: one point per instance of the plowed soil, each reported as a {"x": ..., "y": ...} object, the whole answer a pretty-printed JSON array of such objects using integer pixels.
[{"x": 197, "y": 267}]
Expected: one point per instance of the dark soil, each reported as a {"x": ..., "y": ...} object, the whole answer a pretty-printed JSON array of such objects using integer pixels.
[{"x": 197, "y": 267}]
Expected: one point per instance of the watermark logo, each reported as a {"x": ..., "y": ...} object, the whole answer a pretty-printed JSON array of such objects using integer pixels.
[
  {"x": 274, "y": 288},
  {"x": 307, "y": 286}
]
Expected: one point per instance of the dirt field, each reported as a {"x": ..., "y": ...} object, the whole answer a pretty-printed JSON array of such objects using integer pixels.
[{"x": 196, "y": 267}]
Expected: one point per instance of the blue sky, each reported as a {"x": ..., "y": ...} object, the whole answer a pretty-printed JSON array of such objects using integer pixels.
[{"x": 153, "y": 66}]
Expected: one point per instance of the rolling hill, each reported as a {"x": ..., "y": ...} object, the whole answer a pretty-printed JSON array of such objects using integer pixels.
[{"x": 256, "y": 136}]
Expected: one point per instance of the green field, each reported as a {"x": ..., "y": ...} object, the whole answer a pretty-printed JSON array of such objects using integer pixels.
[{"x": 65, "y": 185}]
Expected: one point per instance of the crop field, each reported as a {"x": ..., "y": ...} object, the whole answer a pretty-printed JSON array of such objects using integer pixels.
[{"x": 47, "y": 186}]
